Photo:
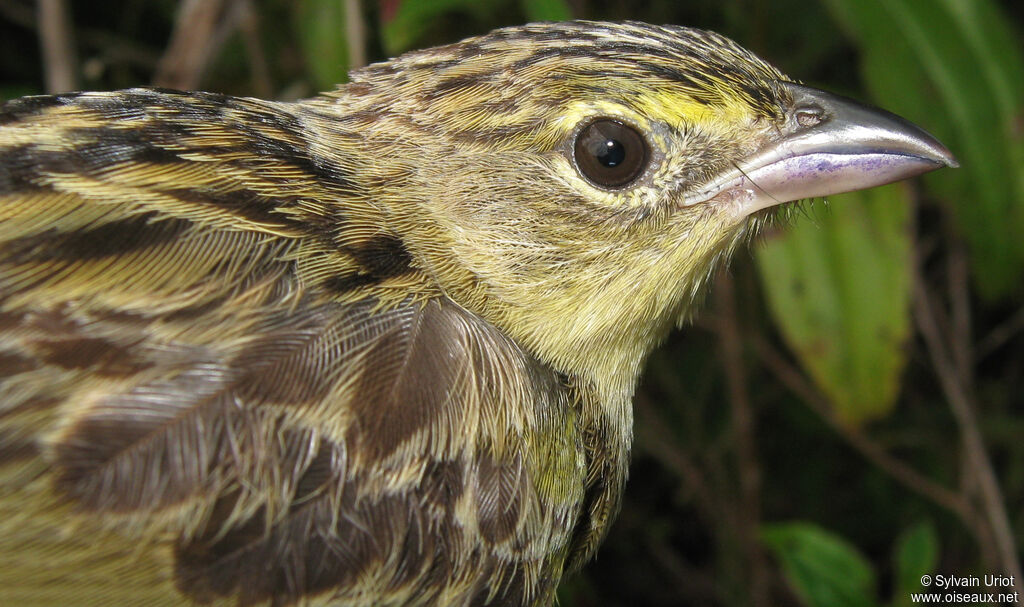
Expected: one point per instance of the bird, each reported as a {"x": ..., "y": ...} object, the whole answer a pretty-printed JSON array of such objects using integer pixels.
[{"x": 379, "y": 346}]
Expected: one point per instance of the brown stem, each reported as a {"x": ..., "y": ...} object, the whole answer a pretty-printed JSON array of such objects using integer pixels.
[
  {"x": 1001, "y": 334},
  {"x": 793, "y": 379},
  {"x": 960, "y": 311},
  {"x": 665, "y": 449},
  {"x": 743, "y": 425},
  {"x": 112, "y": 48},
  {"x": 57, "y": 45},
  {"x": 193, "y": 43},
  {"x": 355, "y": 34},
  {"x": 961, "y": 404},
  {"x": 249, "y": 26}
]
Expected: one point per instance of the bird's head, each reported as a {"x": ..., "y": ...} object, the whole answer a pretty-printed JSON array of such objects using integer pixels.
[{"x": 576, "y": 183}]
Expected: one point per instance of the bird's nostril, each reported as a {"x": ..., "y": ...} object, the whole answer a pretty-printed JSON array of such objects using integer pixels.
[{"x": 807, "y": 117}]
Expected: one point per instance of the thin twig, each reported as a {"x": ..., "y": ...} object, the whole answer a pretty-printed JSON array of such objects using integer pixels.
[
  {"x": 57, "y": 44},
  {"x": 744, "y": 437},
  {"x": 112, "y": 48},
  {"x": 960, "y": 403},
  {"x": 355, "y": 34},
  {"x": 665, "y": 449},
  {"x": 249, "y": 25},
  {"x": 869, "y": 449},
  {"x": 193, "y": 42},
  {"x": 960, "y": 311},
  {"x": 1000, "y": 335}
]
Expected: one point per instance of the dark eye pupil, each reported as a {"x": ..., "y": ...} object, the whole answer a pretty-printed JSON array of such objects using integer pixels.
[{"x": 609, "y": 153}]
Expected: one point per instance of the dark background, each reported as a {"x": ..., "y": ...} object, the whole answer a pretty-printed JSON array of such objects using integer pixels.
[{"x": 770, "y": 468}]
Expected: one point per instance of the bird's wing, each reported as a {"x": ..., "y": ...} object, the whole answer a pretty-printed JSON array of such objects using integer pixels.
[{"x": 213, "y": 386}]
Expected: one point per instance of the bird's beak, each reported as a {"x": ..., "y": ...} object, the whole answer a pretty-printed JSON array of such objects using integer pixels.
[{"x": 829, "y": 144}]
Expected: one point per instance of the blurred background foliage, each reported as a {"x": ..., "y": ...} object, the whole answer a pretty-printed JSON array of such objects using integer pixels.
[{"x": 846, "y": 413}]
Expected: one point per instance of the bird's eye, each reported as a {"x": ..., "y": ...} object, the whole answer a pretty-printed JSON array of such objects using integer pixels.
[{"x": 609, "y": 153}]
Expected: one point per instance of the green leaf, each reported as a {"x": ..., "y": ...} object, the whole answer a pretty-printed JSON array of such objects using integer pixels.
[
  {"x": 957, "y": 68},
  {"x": 916, "y": 554},
  {"x": 401, "y": 32},
  {"x": 322, "y": 26},
  {"x": 13, "y": 91},
  {"x": 838, "y": 286},
  {"x": 546, "y": 10},
  {"x": 822, "y": 568}
]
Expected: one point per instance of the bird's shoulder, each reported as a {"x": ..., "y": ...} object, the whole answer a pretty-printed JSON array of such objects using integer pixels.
[
  {"x": 215, "y": 349},
  {"x": 412, "y": 452}
]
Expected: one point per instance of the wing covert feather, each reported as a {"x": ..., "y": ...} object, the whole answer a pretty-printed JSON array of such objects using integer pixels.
[
  {"x": 210, "y": 366},
  {"x": 328, "y": 462}
]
